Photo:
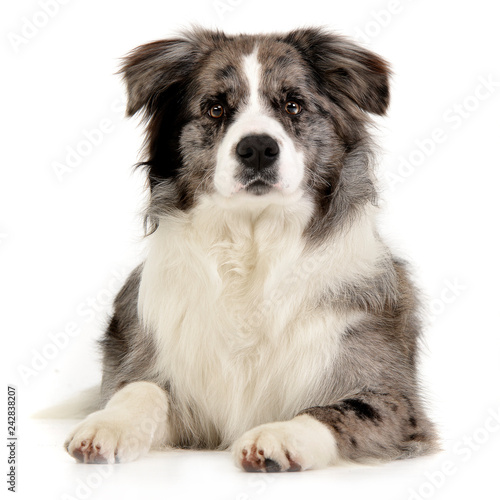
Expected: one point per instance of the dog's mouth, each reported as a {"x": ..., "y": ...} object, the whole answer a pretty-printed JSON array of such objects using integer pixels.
[{"x": 258, "y": 186}]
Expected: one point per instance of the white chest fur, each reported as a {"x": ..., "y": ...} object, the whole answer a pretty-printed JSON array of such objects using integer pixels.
[{"x": 232, "y": 304}]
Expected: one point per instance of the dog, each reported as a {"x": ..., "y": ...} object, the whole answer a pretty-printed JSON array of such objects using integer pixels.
[{"x": 269, "y": 317}]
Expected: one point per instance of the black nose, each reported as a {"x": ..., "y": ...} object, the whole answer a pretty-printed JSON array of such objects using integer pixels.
[{"x": 257, "y": 151}]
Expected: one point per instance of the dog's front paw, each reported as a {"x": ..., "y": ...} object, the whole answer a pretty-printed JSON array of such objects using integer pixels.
[
  {"x": 107, "y": 437},
  {"x": 294, "y": 445}
]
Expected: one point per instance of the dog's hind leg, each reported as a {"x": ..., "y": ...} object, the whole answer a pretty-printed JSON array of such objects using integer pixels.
[{"x": 134, "y": 420}]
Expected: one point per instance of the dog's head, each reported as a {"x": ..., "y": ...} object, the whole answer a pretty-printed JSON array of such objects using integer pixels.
[{"x": 254, "y": 120}]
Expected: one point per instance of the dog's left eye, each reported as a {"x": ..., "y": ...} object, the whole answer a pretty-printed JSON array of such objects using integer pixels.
[
  {"x": 292, "y": 108},
  {"x": 216, "y": 111}
]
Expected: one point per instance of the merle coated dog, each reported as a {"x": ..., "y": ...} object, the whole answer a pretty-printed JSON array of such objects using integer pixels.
[{"x": 269, "y": 316}]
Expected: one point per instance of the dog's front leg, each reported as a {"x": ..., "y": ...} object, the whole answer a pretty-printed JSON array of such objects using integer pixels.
[
  {"x": 292, "y": 445},
  {"x": 134, "y": 420},
  {"x": 371, "y": 425}
]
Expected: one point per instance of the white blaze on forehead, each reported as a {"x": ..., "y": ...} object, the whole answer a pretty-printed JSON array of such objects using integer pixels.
[
  {"x": 254, "y": 117},
  {"x": 252, "y": 70}
]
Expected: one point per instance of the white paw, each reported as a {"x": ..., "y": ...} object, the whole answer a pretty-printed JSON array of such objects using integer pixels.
[
  {"x": 298, "y": 444},
  {"x": 107, "y": 436}
]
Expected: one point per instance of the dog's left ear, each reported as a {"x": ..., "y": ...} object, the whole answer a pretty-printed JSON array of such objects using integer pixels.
[
  {"x": 152, "y": 69},
  {"x": 344, "y": 69}
]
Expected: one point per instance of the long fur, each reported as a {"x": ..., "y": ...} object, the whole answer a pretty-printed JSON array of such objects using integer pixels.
[{"x": 274, "y": 304}]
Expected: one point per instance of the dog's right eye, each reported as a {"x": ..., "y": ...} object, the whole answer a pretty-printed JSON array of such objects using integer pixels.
[{"x": 216, "y": 111}]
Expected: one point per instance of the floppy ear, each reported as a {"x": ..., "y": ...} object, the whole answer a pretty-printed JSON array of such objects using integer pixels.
[
  {"x": 344, "y": 68},
  {"x": 149, "y": 70}
]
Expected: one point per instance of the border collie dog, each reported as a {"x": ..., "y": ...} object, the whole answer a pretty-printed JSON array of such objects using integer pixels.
[{"x": 269, "y": 316}]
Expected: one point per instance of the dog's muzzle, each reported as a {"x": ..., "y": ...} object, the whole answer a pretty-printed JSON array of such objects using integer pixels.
[
  {"x": 258, "y": 155},
  {"x": 257, "y": 152}
]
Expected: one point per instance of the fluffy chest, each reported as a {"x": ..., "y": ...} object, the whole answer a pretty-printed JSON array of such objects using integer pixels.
[{"x": 240, "y": 333}]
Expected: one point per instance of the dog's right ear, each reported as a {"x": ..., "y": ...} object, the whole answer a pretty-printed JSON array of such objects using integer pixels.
[{"x": 149, "y": 70}]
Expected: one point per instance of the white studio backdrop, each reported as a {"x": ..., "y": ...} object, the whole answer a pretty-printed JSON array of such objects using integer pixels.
[{"x": 71, "y": 230}]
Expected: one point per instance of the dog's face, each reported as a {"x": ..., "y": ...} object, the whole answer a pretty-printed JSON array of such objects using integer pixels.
[
  {"x": 253, "y": 119},
  {"x": 253, "y": 110}
]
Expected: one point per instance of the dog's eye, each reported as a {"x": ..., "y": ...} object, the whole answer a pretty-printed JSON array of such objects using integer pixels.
[
  {"x": 292, "y": 108},
  {"x": 216, "y": 111}
]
